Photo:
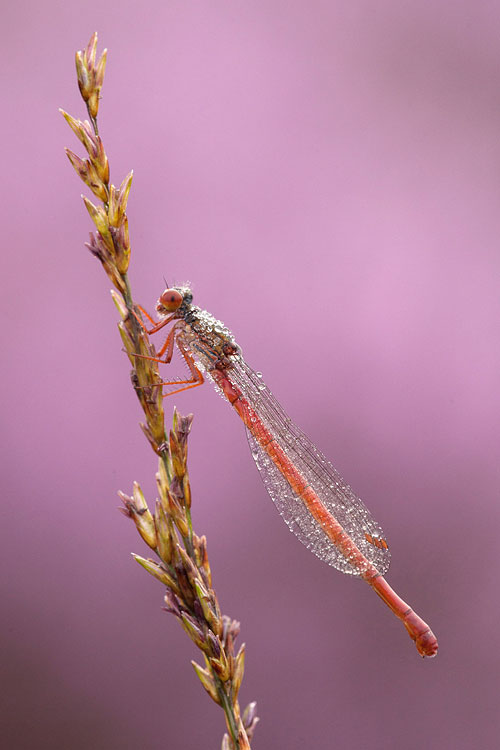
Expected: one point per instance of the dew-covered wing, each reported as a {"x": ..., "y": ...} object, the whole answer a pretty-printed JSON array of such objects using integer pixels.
[{"x": 335, "y": 494}]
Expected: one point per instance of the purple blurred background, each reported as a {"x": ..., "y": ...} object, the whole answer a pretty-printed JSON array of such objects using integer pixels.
[{"x": 327, "y": 175}]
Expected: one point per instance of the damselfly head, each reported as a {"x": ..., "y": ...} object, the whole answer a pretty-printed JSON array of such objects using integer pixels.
[
  {"x": 169, "y": 301},
  {"x": 172, "y": 299}
]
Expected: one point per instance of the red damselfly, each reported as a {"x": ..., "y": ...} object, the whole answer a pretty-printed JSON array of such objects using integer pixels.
[{"x": 311, "y": 496}]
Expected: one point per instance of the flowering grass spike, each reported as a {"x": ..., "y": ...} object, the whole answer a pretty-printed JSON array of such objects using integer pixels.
[{"x": 181, "y": 562}]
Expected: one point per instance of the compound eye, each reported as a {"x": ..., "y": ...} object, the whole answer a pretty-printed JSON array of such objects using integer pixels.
[{"x": 171, "y": 299}]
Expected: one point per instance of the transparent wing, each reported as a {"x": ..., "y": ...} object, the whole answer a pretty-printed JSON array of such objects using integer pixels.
[{"x": 334, "y": 493}]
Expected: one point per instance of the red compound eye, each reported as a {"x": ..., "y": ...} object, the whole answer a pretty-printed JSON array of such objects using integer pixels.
[{"x": 171, "y": 299}]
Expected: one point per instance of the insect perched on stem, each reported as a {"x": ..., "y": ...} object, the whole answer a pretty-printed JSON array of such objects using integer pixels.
[{"x": 311, "y": 496}]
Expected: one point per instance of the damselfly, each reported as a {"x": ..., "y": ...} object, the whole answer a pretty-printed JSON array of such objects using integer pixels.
[{"x": 311, "y": 496}]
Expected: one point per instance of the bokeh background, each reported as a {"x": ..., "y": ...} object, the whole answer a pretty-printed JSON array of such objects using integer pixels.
[{"x": 327, "y": 175}]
